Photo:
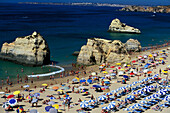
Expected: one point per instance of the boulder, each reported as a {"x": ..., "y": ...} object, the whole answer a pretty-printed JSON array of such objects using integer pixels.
[
  {"x": 28, "y": 50},
  {"x": 98, "y": 51},
  {"x": 133, "y": 45},
  {"x": 117, "y": 26}
]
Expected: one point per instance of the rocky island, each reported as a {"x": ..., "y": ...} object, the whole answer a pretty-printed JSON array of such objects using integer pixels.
[
  {"x": 29, "y": 50},
  {"x": 158, "y": 9},
  {"x": 117, "y": 26},
  {"x": 98, "y": 51}
]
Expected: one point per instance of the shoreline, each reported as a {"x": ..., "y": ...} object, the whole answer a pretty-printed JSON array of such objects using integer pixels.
[{"x": 68, "y": 68}]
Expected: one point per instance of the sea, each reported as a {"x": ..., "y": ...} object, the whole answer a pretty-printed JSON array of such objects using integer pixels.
[{"x": 66, "y": 28}]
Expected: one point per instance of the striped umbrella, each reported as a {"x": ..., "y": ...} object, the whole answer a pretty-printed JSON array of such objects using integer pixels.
[
  {"x": 109, "y": 93},
  {"x": 5, "y": 105},
  {"x": 52, "y": 98},
  {"x": 111, "y": 106},
  {"x": 167, "y": 98},
  {"x": 67, "y": 98},
  {"x": 149, "y": 97},
  {"x": 161, "y": 93},
  {"x": 154, "y": 96},
  {"x": 134, "y": 93},
  {"x": 91, "y": 100},
  {"x": 83, "y": 104},
  {"x": 106, "y": 108},
  {"x": 126, "y": 109},
  {"x": 102, "y": 97},
  {"x": 114, "y": 103},
  {"x": 114, "y": 91},
  {"x": 119, "y": 100},
  {"x": 137, "y": 105},
  {"x": 143, "y": 102},
  {"x": 132, "y": 107}
]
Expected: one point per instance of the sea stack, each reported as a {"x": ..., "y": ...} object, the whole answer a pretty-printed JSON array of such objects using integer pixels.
[
  {"x": 98, "y": 51},
  {"x": 31, "y": 50},
  {"x": 117, "y": 26}
]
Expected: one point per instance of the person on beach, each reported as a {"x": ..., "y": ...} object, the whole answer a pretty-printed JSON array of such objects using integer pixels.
[
  {"x": 2, "y": 82},
  {"x": 32, "y": 80},
  {"x": 20, "y": 79}
]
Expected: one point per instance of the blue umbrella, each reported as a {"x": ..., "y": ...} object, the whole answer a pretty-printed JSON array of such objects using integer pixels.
[
  {"x": 143, "y": 102},
  {"x": 68, "y": 98},
  {"x": 126, "y": 109},
  {"x": 119, "y": 100},
  {"x": 83, "y": 80},
  {"x": 47, "y": 108},
  {"x": 134, "y": 93},
  {"x": 34, "y": 101},
  {"x": 52, "y": 98},
  {"x": 111, "y": 106},
  {"x": 91, "y": 100},
  {"x": 155, "y": 96},
  {"x": 114, "y": 103},
  {"x": 83, "y": 104},
  {"x": 167, "y": 98},
  {"x": 105, "y": 108},
  {"x": 125, "y": 76},
  {"x": 97, "y": 86},
  {"x": 109, "y": 93},
  {"x": 114, "y": 91},
  {"x": 132, "y": 107},
  {"x": 137, "y": 105},
  {"x": 36, "y": 94},
  {"x": 89, "y": 81},
  {"x": 161, "y": 93},
  {"x": 102, "y": 77},
  {"x": 102, "y": 97},
  {"x": 12, "y": 102},
  {"x": 107, "y": 82}
]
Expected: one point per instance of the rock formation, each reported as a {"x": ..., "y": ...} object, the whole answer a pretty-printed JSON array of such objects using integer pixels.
[
  {"x": 29, "y": 50},
  {"x": 133, "y": 45},
  {"x": 98, "y": 51},
  {"x": 158, "y": 9},
  {"x": 117, "y": 26}
]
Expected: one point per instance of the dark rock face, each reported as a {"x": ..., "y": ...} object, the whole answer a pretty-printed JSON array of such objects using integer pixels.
[
  {"x": 158, "y": 9},
  {"x": 30, "y": 50}
]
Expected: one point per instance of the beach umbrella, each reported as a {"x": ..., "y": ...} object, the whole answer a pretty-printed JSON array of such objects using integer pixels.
[
  {"x": 56, "y": 106},
  {"x": 10, "y": 96},
  {"x": 143, "y": 102},
  {"x": 47, "y": 108},
  {"x": 130, "y": 96},
  {"x": 26, "y": 86},
  {"x": 133, "y": 61},
  {"x": 97, "y": 86},
  {"x": 113, "y": 102},
  {"x": 134, "y": 93},
  {"x": 110, "y": 71},
  {"x": 112, "y": 67},
  {"x": 132, "y": 107},
  {"x": 119, "y": 100},
  {"x": 118, "y": 63},
  {"x": 107, "y": 82},
  {"x": 165, "y": 71},
  {"x": 114, "y": 91},
  {"x": 93, "y": 73},
  {"x": 55, "y": 87},
  {"x": 110, "y": 106},
  {"x": 36, "y": 94},
  {"x": 12, "y": 102},
  {"x": 89, "y": 81},
  {"x": 155, "y": 96},
  {"x": 83, "y": 104},
  {"x": 51, "y": 103},
  {"x": 91, "y": 100},
  {"x": 139, "y": 57},
  {"x": 52, "y": 98},
  {"x": 109, "y": 93},
  {"x": 161, "y": 93},
  {"x": 67, "y": 98},
  {"x": 145, "y": 56},
  {"x": 167, "y": 98},
  {"x": 125, "y": 76},
  {"x": 16, "y": 92},
  {"x": 33, "y": 111},
  {"x": 149, "y": 97},
  {"x": 82, "y": 80},
  {"x": 120, "y": 73},
  {"x": 34, "y": 101},
  {"x": 106, "y": 108},
  {"x": 44, "y": 84},
  {"x": 103, "y": 97},
  {"x": 126, "y": 109},
  {"x": 64, "y": 88},
  {"x": 105, "y": 72},
  {"x": 137, "y": 105},
  {"x": 74, "y": 80},
  {"x": 5, "y": 105}
]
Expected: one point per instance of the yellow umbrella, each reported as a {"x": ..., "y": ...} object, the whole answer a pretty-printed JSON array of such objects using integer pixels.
[
  {"x": 122, "y": 69},
  {"x": 118, "y": 63},
  {"x": 44, "y": 84},
  {"x": 105, "y": 72},
  {"x": 106, "y": 80},
  {"x": 77, "y": 78},
  {"x": 150, "y": 55},
  {"x": 56, "y": 106},
  {"x": 16, "y": 92},
  {"x": 164, "y": 71},
  {"x": 161, "y": 58},
  {"x": 128, "y": 65}
]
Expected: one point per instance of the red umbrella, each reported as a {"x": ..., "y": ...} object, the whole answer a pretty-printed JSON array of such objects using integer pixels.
[
  {"x": 112, "y": 67},
  {"x": 131, "y": 73},
  {"x": 133, "y": 61},
  {"x": 10, "y": 96},
  {"x": 119, "y": 67}
]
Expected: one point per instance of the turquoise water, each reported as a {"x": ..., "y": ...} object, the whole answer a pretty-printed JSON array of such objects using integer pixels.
[{"x": 67, "y": 28}]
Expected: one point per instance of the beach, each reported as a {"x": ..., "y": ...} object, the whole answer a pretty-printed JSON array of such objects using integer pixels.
[{"x": 75, "y": 96}]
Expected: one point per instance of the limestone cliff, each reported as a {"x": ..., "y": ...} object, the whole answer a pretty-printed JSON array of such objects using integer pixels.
[
  {"x": 117, "y": 26},
  {"x": 29, "y": 50},
  {"x": 133, "y": 45},
  {"x": 158, "y": 9},
  {"x": 98, "y": 51}
]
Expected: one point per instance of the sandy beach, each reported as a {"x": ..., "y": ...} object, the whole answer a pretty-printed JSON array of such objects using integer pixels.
[{"x": 75, "y": 96}]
